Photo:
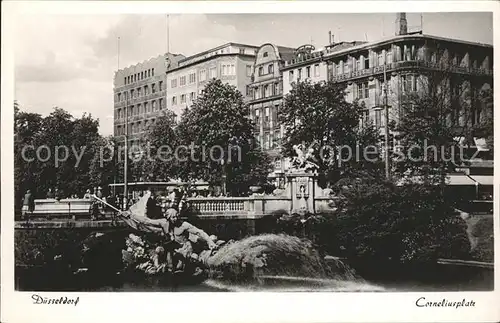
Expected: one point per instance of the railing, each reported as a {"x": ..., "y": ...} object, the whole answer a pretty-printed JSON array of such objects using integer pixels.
[
  {"x": 65, "y": 208},
  {"x": 220, "y": 204},
  {"x": 410, "y": 64}
]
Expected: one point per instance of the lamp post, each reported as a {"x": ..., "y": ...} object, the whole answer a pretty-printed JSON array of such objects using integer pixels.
[
  {"x": 125, "y": 166},
  {"x": 386, "y": 132}
]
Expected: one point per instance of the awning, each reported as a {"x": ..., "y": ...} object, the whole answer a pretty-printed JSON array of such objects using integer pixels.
[
  {"x": 460, "y": 180},
  {"x": 481, "y": 144},
  {"x": 483, "y": 179}
]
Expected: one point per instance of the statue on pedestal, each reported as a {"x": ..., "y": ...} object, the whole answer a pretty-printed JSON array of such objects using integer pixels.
[{"x": 302, "y": 162}]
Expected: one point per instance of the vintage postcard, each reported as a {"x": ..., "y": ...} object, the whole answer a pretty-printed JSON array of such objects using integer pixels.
[{"x": 249, "y": 161}]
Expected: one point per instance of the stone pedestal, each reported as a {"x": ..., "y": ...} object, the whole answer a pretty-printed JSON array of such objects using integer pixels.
[{"x": 302, "y": 188}]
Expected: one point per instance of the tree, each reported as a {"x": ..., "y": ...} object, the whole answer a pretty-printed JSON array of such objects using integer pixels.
[
  {"x": 219, "y": 136},
  {"x": 318, "y": 116},
  {"x": 66, "y": 147},
  {"x": 433, "y": 125},
  {"x": 160, "y": 142},
  {"x": 407, "y": 224}
]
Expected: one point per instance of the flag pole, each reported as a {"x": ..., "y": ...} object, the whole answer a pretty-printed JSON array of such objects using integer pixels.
[{"x": 104, "y": 202}]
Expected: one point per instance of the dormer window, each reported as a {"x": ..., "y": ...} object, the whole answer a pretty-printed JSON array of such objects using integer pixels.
[{"x": 265, "y": 54}]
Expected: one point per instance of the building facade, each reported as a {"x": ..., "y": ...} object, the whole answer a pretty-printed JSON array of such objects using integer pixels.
[
  {"x": 232, "y": 63},
  {"x": 266, "y": 94},
  {"x": 140, "y": 95},
  {"x": 399, "y": 66}
]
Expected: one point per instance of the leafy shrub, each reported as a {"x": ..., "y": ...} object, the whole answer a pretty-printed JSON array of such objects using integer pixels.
[{"x": 407, "y": 224}]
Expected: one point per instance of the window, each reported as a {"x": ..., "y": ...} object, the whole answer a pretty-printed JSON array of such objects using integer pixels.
[
  {"x": 174, "y": 100},
  {"x": 149, "y": 73},
  {"x": 270, "y": 69},
  {"x": 408, "y": 83},
  {"x": 213, "y": 72},
  {"x": 183, "y": 98},
  {"x": 358, "y": 65},
  {"x": 275, "y": 89},
  {"x": 248, "y": 90},
  {"x": 308, "y": 71},
  {"x": 346, "y": 68},
  {"x": 142, "y": 75},
  {"x": 275, "y": 114},
  {"x": 299, "y": 74},
  {"x": 160, "y": 103},
  {"x": 378, "y": 118},
  {"x": 267, "y": 117},
  {"x": 388, "y": 57},
  {"x": 132, "y": 93},
  {"x": 203, "y": 75},
  {"x": 290, "y": 76},
  {"x": 192, "y": 78},
  {"x": 125, "y": 80},
  {"x": 261, "y": 71},
  {"x": 182, "y": 81},
  {"x": 153, "y": 88},
  {"x": 249, "y": 70},
  {"x": 380, "y": 59},
  {"x": 265, "y": 54},
  {"x": 173, "y": 83},
  {"x": 192, "y": 96},
  {"x": 266, "y": 91},
  {"x": 316, "y": 70},
  {"x": 146, "y": 90},
  {"x": 119, "y": 97},
  {"x": 135, "y": 77},
  {"x": 139, "y": 92},
  {"x": 242, "y": 51},
  {"x": 257, "y": 117},
  {"x": 339, "y": 69},
  {"x": 363, "y": 90},
  {"x": 365, "y": 118},
  {"x": 152, "y": 72},
  {"x": 228, "y": 69},
  {"x": 153, "y": 105},
  {"x": 160, "y": 86}
]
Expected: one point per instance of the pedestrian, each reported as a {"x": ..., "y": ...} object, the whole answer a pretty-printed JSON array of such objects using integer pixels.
[
  {"x": 87, "y": 195},
  {"x": 50, "y": 194},
  {"x": 29, "y": 202},
  {"x": 99, "y": 192}
]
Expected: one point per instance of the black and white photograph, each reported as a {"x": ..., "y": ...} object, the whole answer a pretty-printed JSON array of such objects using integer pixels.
[{"x": 230, "y": 152}]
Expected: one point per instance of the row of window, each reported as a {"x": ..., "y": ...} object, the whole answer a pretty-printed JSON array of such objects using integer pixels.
[
  {"x": 183, "y": 97},
  {"x": 264, "y": 91},
  {"x": 269, "y": 140},
  {"x": 140, "y": 91},
  {"x": 269, "y": 70},
  {"x": 203, "y": 75},
  {"x": 307, "y": 73},
  {"x": 140, "y": 109},
  {"x": 264, "y": 116},
  {"x": 138, "y": 76},
  {"x": 133, "y": 128}
]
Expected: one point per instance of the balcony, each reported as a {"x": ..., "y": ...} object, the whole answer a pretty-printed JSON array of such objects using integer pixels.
[{"x": 397, "y": 66}]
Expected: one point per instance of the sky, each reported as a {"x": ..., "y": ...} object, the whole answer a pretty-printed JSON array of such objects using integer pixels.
[{"x": 77, "y": 55}]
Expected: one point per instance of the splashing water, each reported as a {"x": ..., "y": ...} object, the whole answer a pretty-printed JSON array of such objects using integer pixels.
[{"x": 279, "y": 262}]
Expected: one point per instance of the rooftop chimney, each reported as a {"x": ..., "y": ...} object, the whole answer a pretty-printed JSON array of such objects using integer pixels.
[{"x": 401, "y": 24}]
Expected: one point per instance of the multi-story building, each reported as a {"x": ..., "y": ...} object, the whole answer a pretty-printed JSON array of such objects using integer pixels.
[
  {"x": 232, "y": 63},
  {"x": 403, "y": 61},
  {"x": 140, "y": 94},
  {"x": 266, "y": 94}
]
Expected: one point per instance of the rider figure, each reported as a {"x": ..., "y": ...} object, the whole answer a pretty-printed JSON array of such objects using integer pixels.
[{"x": 179, "y": 235}]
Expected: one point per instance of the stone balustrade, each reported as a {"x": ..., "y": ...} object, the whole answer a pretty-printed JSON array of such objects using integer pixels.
[
  {"x": 252, "y": 207},
  {"x": 62, "y": 208}
]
